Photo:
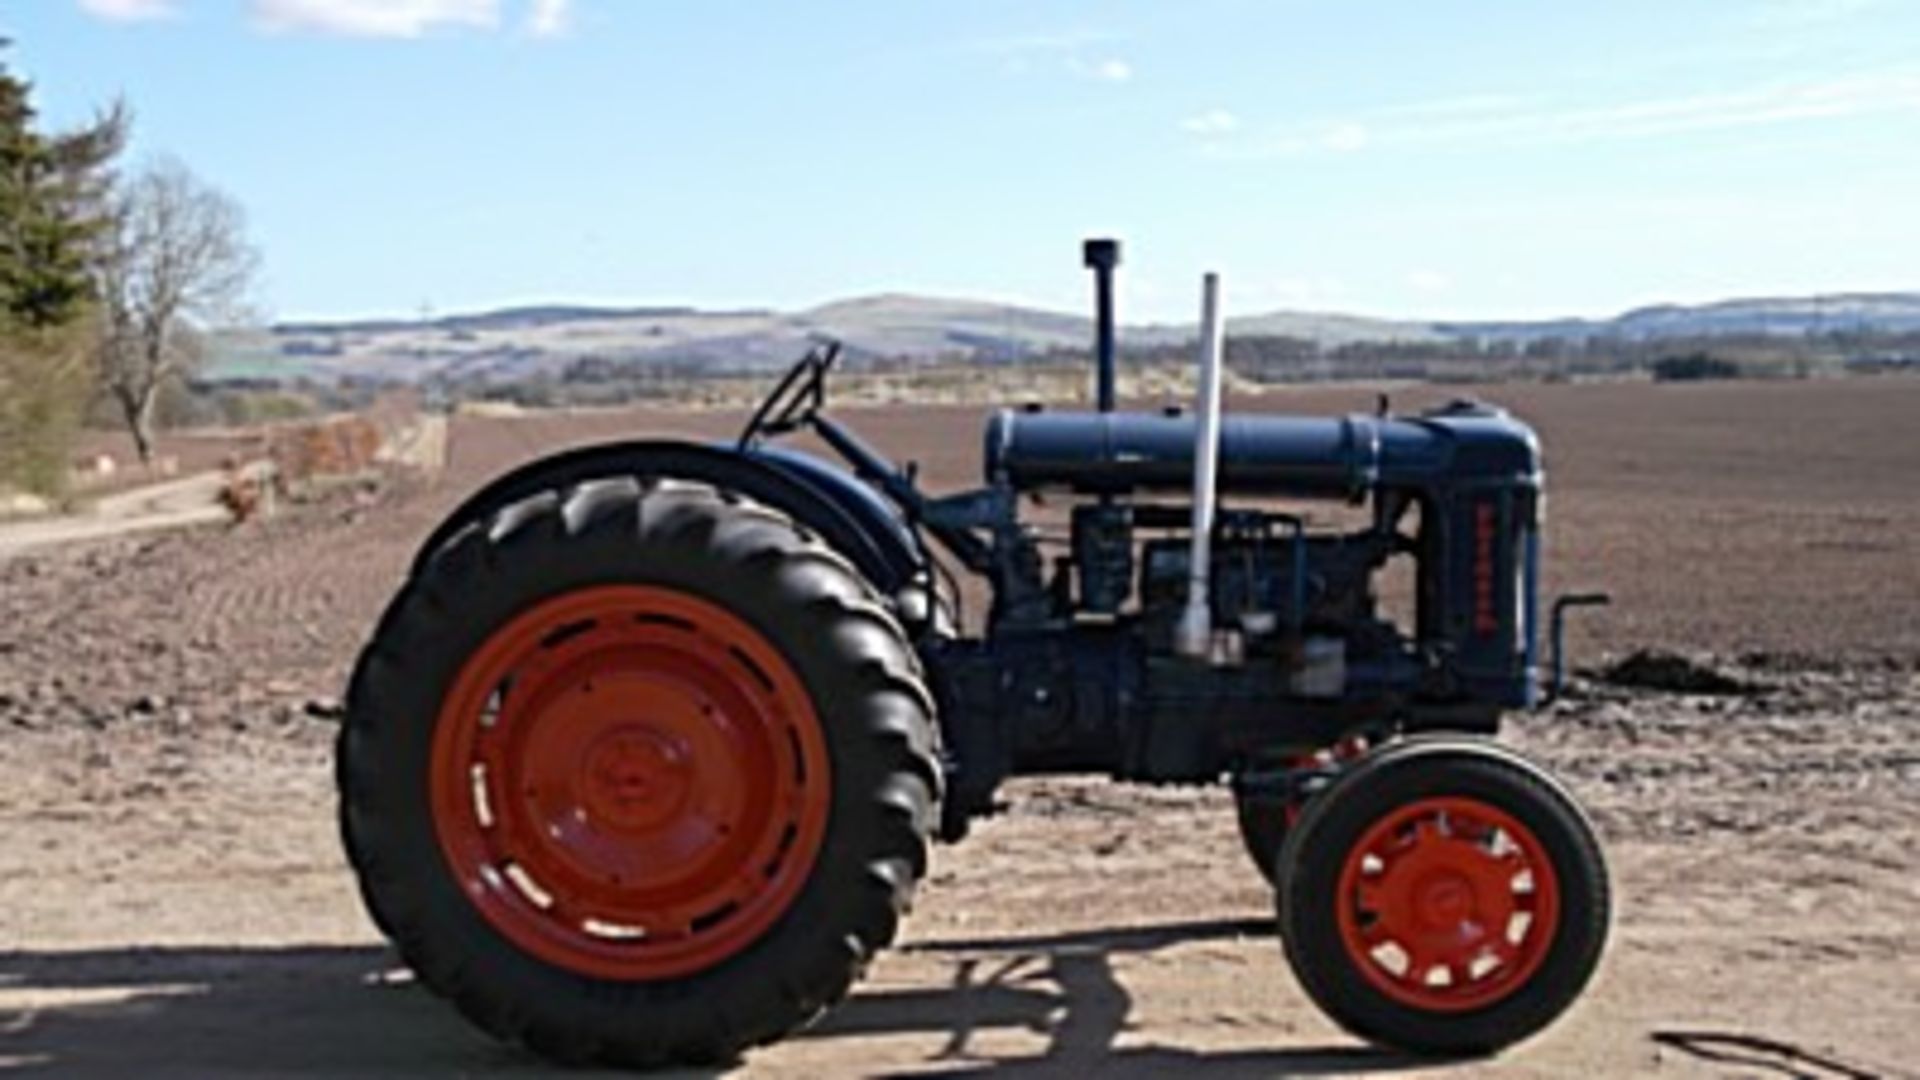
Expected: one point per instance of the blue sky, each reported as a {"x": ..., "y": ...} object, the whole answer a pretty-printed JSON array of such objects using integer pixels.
[{"x": 1418, "y": 158}]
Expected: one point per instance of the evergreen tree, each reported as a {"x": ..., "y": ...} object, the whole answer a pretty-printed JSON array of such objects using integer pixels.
[
  {"x": 52, "y": 206},
  {"x": 53, "y": 216}
]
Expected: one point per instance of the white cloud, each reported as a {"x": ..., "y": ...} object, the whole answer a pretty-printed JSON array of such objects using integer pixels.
[
  {"x": 548, "y": 18},
  {"x": 1111, "y": 69},
  {"x": 1346, "y": 138},
  {"x": 374, "y": 18},
  {"x": 128, "y": 10},
  {"x": 1522, "y": 123},
  {"x": 1796, "y": 14},
  {"x": 1429, "y": 281},
  {"x": 1463, "y": 105},
  {"x": 356, "y": 18},
  {"x": 1212, "y": 122},
  {"x": 1059, "y": 42},
  {"x": 1828, "y": 99},
  {"x": 1073, "y": 49}
]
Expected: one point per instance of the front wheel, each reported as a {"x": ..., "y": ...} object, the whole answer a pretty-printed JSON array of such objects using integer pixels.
[{"x": 1443, "y": 897}]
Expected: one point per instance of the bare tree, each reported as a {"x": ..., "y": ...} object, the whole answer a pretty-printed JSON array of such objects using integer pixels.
[{"x": 176, "y": 264}]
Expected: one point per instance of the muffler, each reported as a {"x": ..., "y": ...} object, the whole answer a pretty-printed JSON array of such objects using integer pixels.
[{"x": 1193, "y": 635}]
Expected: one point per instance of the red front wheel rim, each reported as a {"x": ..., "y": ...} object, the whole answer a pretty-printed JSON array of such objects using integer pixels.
[
  {"x": 1448, "y": 904},
  {"x": 629, "y": 782}
]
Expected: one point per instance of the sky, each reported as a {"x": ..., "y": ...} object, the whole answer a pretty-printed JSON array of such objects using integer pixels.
[{"x": 1426, "y": 158}]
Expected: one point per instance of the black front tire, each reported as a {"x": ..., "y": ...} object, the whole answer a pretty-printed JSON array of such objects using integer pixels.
[{"x": 1335, "y": 821}]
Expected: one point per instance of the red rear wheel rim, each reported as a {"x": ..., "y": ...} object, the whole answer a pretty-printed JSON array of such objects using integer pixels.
[
  {"x": 629, "y": 782},
  {"x": 1448, "y": 904}
]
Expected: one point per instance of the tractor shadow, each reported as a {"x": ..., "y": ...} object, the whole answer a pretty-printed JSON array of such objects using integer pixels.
[
  {"x": 317, "y": 1011},
  {"x": 1757, "y": 1055},
  {"x": 1063, "y": 987},
  {"x": 341, "y": 1011}
]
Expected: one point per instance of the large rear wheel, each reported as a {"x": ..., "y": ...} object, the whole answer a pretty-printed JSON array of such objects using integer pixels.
[
  {"x": 638, "y": 774},
  {"x": 1265, "y": 813},
  {"x": 1443, "y": 897},
  {"x": 1264, "y": 820}
]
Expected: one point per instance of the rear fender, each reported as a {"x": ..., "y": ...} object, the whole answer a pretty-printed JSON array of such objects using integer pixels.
[{"x": 847, "y": 514}]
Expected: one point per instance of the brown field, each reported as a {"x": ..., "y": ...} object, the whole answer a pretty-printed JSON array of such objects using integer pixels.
[
  {"x": 174, "y": 900},
  {"x": 1731, "y": 517}
]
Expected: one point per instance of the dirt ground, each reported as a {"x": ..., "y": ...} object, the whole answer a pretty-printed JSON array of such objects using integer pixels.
[{"x": 173, "y": 900}]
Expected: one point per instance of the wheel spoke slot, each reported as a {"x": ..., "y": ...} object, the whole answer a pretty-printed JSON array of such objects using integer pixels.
[
  {"x": 759, "y": 673},
  {"x": 528, "y": 887},
  {"x": 712, "y": 918},
  {"x": 560, "y": 635},
  {"x": 482, "y": 805}
]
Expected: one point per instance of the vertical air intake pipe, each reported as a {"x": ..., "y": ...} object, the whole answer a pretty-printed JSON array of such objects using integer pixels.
[
  {"x": 1101, "y": 256},
  {"x": 1193, "y": 637}
]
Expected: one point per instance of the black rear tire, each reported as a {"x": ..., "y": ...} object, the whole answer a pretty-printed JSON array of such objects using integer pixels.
[
  {"x": 1399, "y": 775},
  {"x": 1263, "y": 821},
  {"x": 849, "y": 653}
]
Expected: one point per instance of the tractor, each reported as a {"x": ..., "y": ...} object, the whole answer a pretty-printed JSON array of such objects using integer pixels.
[{"x": 641, "y": 765}]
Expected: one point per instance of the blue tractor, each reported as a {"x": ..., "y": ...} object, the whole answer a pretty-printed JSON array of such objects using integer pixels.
[{"x": 641, "y": 765}]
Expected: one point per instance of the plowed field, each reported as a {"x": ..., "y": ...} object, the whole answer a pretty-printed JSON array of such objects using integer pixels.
[{"x": 173, "y": 899}]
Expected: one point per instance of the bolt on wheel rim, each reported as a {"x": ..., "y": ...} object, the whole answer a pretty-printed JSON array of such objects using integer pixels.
[
  {"x": 629, "y": 782},
  {"x": 1448, "y": 904}
]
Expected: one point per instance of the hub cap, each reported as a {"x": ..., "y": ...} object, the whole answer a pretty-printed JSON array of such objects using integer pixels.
[
  {"x": 629, "y": 782},
  {"x": 1448, "y": 904}
]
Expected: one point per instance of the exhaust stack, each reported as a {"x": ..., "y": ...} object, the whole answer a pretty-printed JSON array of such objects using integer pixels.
[
  {"x": 1193, "y": 637},
  {"x": 1101, "y": 256}
]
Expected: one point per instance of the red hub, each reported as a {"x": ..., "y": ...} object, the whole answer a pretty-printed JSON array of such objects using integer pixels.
[
  {"x": 629, "y": 782},
  {"x": 1448, "y": 904}
]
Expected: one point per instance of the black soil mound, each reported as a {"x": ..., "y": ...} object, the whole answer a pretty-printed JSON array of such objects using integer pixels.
[{"x": 1673, "y": 673}]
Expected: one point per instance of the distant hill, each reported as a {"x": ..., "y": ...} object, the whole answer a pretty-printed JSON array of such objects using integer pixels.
[
  {"x": 1875, "y": 312},
  {"x": 518, "y": 342},
  {"x": 514, "y": 318}
]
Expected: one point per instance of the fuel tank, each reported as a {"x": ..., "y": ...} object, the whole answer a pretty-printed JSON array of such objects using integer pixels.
[{"x": 1343, "y": 457}]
